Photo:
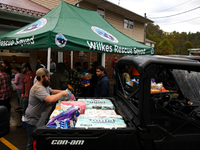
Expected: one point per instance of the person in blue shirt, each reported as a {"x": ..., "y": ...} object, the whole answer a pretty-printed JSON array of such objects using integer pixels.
[{"x": 102, "y": 87}]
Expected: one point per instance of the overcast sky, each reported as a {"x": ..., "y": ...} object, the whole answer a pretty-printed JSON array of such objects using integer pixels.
[{"x": 185, "y": 14}]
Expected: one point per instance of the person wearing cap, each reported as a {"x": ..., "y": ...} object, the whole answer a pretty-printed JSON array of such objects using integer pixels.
[
  {"x": 27, "y": 83},
  {"x": 41, "y": 95},
  {"x": 113, "y": 66},
  {"x": 93, "y": 80}
]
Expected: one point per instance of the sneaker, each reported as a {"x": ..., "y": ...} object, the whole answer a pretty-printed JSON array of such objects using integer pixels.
[
  {"x": 18, "y": 109},
  {"x": 23, "y": 118}
]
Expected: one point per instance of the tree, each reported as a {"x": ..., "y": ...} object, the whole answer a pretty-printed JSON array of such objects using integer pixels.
[
  {"x": 162, "y": 51},
  {"x": 164, "y": 48},
  {"x": 187, "y": 45},
  {"x": 176, "y": 39}
]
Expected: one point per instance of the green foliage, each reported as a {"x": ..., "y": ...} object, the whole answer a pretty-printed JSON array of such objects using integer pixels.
[
  {"x": 180, "y": 42},
  {"x": 164, "y": 48},
  {"x": 187, "y": 45}
]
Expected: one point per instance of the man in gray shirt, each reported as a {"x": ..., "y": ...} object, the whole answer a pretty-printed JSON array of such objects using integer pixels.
[{"x": 39, "y": 98}]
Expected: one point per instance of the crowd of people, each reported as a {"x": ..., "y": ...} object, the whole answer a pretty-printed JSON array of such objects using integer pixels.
[{"x": 35, "y": 90}]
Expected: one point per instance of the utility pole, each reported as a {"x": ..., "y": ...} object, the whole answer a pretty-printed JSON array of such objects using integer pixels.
[
  {"x": 119, "y": 2},
  {"x": 145, "y": 25}
]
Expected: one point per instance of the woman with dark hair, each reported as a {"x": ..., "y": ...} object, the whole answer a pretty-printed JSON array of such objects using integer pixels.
[
  {"x": 7, "y": 67},
  {"x": 18, "y": 83}
]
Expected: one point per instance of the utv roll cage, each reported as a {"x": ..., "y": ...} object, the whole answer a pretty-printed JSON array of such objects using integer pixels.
[{"x": 156, "y": 67}]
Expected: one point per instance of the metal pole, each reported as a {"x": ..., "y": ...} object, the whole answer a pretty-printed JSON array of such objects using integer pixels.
[
  {"x": 90, "y": 60},
  {"x": 103, "y": 59},
  {"x": 71, "y": 59},
  {"x": 60, "y": 57},
  {"x": 48, "y": 58}
]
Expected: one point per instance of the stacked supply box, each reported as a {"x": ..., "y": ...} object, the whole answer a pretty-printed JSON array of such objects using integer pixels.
[
  {"x": 94, "y": 113},
  {"x": 99, "y": 113},
  {"x": 98, "y": 104},
  {"x": 110, "y": 121}
]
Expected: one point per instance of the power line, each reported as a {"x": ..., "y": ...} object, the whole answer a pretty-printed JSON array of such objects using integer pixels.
[
  {"x": 180, "y": 21},
  {"x": 175, "y": 14},
  {"x": 171, "y": 7}
]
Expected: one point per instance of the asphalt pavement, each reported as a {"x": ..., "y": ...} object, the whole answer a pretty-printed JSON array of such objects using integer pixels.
[{"x": 17, "y": 137}]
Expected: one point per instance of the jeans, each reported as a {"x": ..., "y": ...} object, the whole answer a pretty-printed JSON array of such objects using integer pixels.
[
  {"x": 24, "y": 105},
  {"x": 19, "y": 91},
  {"x": 29, "y": 128}
]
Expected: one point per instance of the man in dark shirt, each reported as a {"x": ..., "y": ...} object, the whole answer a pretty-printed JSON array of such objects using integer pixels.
[
  {"x": 93, "y": 81},
  {"x": 102, "y": 87},
  {"x": 58, "y": 79},
  {"x": 27, "y": 83}
]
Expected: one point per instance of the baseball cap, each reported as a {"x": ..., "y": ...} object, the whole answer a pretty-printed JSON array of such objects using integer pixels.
[
  {"x": 42, "y": 71},
  {"x": 25, "y": 65}
]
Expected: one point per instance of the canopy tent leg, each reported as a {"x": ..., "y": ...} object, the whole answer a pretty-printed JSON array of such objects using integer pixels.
[
  {"x": 48, "y": 59},
  {"x": 90, "y": 60},
  {"x": 72, "y": 59},
  {"x": 60, "y": 57},
  {"x": 103, "y": 59}
]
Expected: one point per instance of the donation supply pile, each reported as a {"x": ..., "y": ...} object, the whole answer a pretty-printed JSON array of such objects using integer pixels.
[{"x": 85, "y": 113}]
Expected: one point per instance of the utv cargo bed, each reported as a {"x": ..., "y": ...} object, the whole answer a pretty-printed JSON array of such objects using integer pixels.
[{"x": 91, "y": 138}]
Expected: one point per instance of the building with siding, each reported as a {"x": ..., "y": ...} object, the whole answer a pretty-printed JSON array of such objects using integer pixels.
[
  {"x": 15, "y": 14},
  {"x": 126, "y": 21},
  {"x": 150, "y": 43}
]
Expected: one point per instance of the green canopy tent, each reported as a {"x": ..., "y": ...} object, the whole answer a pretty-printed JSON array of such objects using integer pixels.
[{"x": 67, "y": 27}]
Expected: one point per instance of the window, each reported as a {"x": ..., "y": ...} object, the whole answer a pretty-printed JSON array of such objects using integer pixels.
[
  {"x": 131, "y": 24},
  {"x": 101, "y": 12},
  {"x": 128, "y": 24}
]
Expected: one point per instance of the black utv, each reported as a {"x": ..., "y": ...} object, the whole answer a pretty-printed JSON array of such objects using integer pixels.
[
  {"x": 4, "y": 121},
  {"x": 166, "y": 119},
  {"x": 161, "y": 110}
]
